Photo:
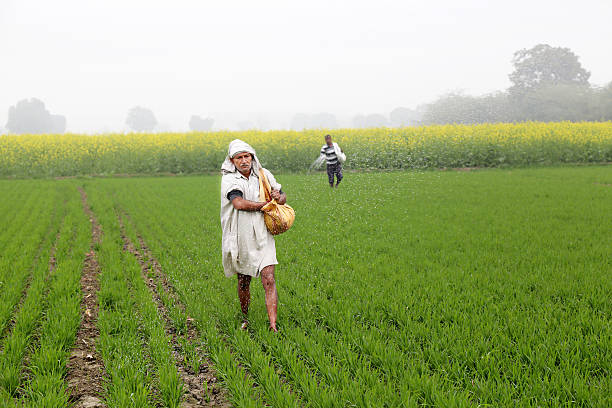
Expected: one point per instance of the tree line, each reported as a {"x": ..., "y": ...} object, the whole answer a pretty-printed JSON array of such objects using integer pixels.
[{"x": 548, "y": 84}]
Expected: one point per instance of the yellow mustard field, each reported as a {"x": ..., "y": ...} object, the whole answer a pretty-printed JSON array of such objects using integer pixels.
[{"x": 487, "y": 145}]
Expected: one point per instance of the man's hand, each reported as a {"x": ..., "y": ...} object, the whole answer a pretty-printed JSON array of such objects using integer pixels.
[{"x": 280, "y": 198}]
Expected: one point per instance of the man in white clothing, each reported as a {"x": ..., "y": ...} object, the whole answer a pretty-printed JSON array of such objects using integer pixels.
[{"x": 248, "y": 248}]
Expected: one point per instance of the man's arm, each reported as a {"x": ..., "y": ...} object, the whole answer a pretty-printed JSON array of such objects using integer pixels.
[
  {"x": 243, "y": 204},
  {"x": 240, "y": 203}
]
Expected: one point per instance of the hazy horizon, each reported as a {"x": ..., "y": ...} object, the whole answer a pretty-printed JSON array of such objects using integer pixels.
[{"x": 93, "y": 61}]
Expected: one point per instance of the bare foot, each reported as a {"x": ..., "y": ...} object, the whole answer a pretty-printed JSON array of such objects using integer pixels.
[{"x": 273, "y": 328}]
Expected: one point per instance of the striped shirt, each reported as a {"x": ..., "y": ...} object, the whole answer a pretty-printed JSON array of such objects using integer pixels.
[{"x": 330, "y": 154}]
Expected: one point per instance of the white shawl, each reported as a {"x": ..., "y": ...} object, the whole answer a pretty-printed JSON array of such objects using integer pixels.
[
  {"x": 341, "y": 156},
  {"x": 238, "y": 146}
]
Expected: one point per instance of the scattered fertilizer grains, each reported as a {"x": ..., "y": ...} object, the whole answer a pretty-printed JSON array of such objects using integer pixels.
[
  {"x": 397, "y": 289},
  {"x": 441, "y": 288}
]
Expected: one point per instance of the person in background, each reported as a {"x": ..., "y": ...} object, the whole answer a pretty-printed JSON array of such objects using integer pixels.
[
  {"x": 334, "y": 157},
  {"x": 248, "y": 248}
]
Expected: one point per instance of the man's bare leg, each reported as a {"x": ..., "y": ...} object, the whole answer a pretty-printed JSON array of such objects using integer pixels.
[
  {"x": 244, "y": 295},
  {"x": 269, "y": 284}
]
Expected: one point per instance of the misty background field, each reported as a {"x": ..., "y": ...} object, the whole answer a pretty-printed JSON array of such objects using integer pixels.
[{"x": 432, "y": 147}]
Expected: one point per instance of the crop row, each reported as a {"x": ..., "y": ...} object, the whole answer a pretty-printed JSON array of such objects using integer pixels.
[
  {"x": 41, "y": 306},
  {"x": 403, "y": 289},
  {"x": 487, "y": 145},
  {"x": 41, "y": 270},
  {"x": 397, "y": 289}
]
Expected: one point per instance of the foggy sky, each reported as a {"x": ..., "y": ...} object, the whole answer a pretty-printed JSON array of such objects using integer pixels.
[{"x": 266, "y": 60}]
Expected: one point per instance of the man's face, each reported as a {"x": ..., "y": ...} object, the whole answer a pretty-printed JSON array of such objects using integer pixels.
[
  {"x": 328, "y": 140},
  {"x": 242, "y": 161}
]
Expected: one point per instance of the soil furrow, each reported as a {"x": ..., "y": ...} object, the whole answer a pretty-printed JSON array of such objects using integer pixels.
[
  {"x": 201, "y": 388},
  {"x": 85, "y": 367}
]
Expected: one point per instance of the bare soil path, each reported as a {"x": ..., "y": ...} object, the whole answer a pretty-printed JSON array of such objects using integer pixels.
[
  {"x": 85, "y": 368},
  {"x": 201, "y": 388}
]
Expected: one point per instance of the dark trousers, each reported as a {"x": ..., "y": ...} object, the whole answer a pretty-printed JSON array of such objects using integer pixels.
[{"x": 334, "y": 169}]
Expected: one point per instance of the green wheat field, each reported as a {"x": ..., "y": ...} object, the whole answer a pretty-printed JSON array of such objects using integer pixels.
[{"x": 485, "y": 288}]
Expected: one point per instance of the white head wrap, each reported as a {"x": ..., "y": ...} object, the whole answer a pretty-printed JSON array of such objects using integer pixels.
[{"x": 238, "y": 146}]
